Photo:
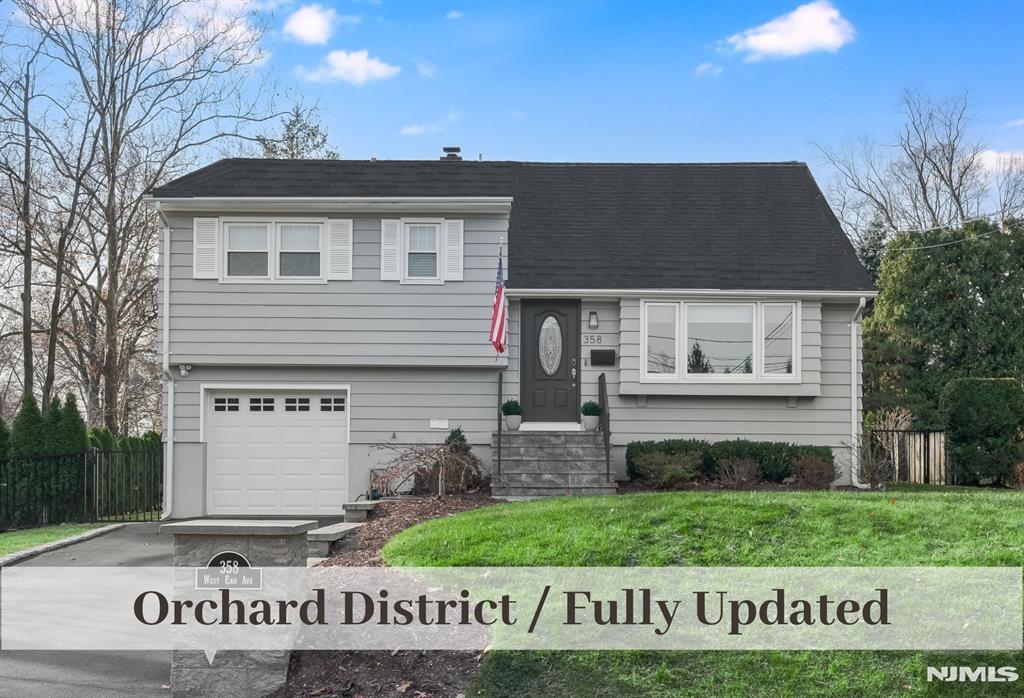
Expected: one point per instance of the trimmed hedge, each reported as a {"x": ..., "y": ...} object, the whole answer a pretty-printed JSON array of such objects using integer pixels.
[
  {"x": 984, "y": 418},
  {"x": 776, "y": 457}
]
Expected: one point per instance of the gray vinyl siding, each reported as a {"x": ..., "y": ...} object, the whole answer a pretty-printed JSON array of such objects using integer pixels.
[
  {"x": 822, "y": 419},
  {"x": 362, "y": 322}
]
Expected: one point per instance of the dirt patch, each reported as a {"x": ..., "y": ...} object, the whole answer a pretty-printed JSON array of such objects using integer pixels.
[
  {"x": 402, "y": 674},
  {"x": 389, "y": 518}
]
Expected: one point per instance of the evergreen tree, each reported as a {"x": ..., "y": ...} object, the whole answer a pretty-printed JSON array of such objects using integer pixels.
[
  {"x": 301, "y": 138},
  {"x": 102, "y": 439},
  {"x": 28, "y": 435},
  {"x": 5, "y": 437},
  {"x": 697, "y": 361},
  {"x": 74, "y": 436},
  {"x": 871, "y": 247},
  {"x": 51, "y": 427}
]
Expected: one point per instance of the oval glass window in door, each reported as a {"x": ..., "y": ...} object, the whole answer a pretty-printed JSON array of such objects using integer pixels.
[{"x": 549, "y": 347}]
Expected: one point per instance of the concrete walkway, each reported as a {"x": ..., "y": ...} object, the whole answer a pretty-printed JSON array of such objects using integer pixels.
[{"x": 30, "y": 674}]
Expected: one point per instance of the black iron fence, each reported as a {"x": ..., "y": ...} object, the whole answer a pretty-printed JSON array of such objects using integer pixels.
[
  {"x": 917, "y": 457},
  {"x": 80, "y": 487}
]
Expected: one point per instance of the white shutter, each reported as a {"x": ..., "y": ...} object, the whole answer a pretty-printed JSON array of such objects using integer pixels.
[
  {"x": 390, "y": 249},
  {"x": 204, "y": 248},
  {"x": 453, "y": 242},
  {"x": 339, "y": 249}
]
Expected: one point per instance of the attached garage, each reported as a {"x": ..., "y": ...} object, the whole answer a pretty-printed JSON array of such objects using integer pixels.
[{"x": 272, "y": 452}]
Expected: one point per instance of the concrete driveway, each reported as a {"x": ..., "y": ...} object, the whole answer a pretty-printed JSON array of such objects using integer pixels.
[{"x": 98, "y": 673}]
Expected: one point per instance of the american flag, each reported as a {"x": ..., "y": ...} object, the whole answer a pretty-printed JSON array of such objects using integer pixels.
[{"x": 499, "y": 314}]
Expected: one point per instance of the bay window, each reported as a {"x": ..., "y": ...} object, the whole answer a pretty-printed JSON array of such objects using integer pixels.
[{"x": 719, "y": 341}]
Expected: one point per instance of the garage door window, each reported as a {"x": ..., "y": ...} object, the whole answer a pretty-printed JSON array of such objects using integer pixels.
[
  {"x": 225, "y": 404},
  {"x": 332, "y": 404},
  {"x": 296, "y": 404},
  {"x": 261, "y": 404}
]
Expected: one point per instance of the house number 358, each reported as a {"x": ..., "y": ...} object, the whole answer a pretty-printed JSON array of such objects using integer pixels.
[{"x": 591, "y": 339}]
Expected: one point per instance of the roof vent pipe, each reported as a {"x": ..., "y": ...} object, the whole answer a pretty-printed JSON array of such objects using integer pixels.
[{"x": 451, "y": 152}]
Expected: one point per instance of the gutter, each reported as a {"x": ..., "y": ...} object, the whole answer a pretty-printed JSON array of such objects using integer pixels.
[
  {"x": 854, "y": 432},
  {"x": 166, "y": 377}
]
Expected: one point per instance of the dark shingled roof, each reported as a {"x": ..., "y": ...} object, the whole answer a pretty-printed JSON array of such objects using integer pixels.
[{"x": 737, "y": 226}]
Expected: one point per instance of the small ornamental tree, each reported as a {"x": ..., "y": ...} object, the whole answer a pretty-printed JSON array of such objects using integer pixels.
[
  {"x": 74, "y": 435},
  {"x": 28, "y": 434},
  {"x": 984, "y": 417}
]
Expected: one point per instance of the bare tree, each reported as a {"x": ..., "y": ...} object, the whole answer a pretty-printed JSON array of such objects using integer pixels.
[
  {"x": 302, "y": 137},
  {"x": 136, "y": 92},
  {"x": 933, "y": 174}
]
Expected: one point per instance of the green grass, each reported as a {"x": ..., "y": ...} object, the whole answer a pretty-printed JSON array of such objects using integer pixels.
[
  {"x": 933, "y": 527},
  {"x": 16, "y": 541}
]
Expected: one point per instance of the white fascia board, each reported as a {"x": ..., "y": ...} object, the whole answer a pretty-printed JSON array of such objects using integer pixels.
[
  {"x": 469, "y": 204},
  {"x": 612, "y": 293}
]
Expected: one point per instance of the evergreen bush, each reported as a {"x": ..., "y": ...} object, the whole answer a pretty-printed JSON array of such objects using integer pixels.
[
  {"x": 984, "y": 418},
  {"x": 28, "y": 433}
]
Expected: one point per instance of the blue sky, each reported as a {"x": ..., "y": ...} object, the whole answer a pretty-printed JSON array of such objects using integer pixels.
[{"x": 610, "y": 81}]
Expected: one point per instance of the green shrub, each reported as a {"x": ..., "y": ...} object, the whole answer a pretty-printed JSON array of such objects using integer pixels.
[
  {"x": 814, "y": 472},
  {"x": 101, "y": 438},
  {"x": 51, "y": 427},
  {"x": 28, "y": 434},
  {"x": 153, "y": 439},
  {"x": 5, "y": 438},
  {"x": 74, "y": 437},
  {"x": 511, "y": 408},
  {"x": 983, "y": 419},
  {"x": 668, "y": 470},
  {"x": 457, "y": 441},
  {"x": 775, "y": 458},
  {"x": 590, "y": 409}
]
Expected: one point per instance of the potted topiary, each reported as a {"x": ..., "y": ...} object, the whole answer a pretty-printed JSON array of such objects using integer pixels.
[
  {"x": 591, "y": 412},
  {"x": 513, "y": 412}
]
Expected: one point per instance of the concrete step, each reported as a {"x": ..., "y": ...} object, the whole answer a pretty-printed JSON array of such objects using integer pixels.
[
  {"x": 520, "y": 465},
  {"x": 358, "y": 511},
  {"x": 320, "y": 539},
  {"x": 548, "y": 479},
  {"x": 577, "y": 490},
  {"x": 549, "y": 438}
]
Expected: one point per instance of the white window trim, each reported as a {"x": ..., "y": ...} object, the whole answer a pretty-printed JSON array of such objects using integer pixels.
[
  {"x": 403, "y": 244},
  {"x": 682, "y": 341},
  {"x": 658, "y": 377},
  {"x": 273, "y": 251}
]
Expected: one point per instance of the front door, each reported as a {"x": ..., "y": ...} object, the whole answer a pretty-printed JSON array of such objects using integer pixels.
[{"x": 550, "y": 360}]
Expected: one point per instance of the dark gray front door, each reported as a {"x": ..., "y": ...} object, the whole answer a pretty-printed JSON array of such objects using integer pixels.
[{"x": 550, "y": 358}]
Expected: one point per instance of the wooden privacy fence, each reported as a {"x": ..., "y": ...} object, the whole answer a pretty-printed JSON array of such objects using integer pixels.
[{"x": 918, "y": 457}]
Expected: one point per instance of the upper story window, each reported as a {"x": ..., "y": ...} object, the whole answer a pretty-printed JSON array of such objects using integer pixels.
[
  {"x": 720, "y": 342},
  {"x": 298, "y": 250},
  {"x": 422, "y": 251},
  {"x": 283, "y": 250},
  {"x": 247, "y": 246}
]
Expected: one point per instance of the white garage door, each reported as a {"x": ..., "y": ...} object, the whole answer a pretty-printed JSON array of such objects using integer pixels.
[{"x": 276, "y": 453}]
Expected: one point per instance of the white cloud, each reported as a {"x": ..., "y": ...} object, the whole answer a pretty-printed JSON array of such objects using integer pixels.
[
  {"x": 1015, "y": 123},
  {"x": 426, "y": 69},
  {"x": 311, "y": 24},
  {"x": 355, "y": 67},
  {"x": 707, "y": 70},
  {"x": 816, "y": 26},
  {"x": 454, "y": 14},
  {"x": 996, "y": 160},
  {"x": 433, "y": 127}
]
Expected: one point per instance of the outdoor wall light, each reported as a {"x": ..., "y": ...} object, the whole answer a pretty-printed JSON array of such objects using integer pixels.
[
  {"x": 184, "y": 369},
  {"x": 592, "y": 322}
]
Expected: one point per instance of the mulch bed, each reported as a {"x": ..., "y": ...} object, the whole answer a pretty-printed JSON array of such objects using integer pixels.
[{"x": 401, "y": 674}]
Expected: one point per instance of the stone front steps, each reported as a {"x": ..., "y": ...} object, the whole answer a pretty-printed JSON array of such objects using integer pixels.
[{"x": 550, "y": 463}]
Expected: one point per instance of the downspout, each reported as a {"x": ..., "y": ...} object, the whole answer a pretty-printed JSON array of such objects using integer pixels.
[
  {"x": 166, "y": 377},
  {"x": 854, "y": 432}
]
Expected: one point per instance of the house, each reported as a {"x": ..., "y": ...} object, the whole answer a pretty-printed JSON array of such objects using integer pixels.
[{"x": 314, "y": 310}]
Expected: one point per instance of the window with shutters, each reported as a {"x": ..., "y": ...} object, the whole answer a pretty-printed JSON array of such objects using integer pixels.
[
  {"x": 289, "y": 250},
  {"x": 422, "y": 251}
]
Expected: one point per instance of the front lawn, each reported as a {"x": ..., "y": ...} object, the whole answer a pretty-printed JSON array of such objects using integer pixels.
[
  {"x": 16, "y": 541},
  {"x": 931, "y": 528}
]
